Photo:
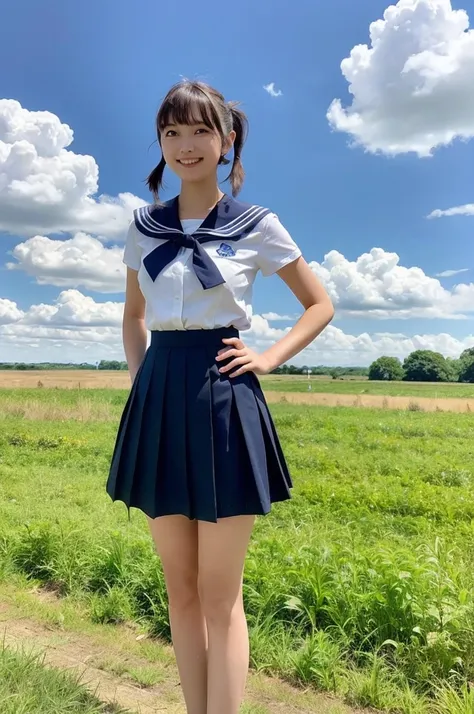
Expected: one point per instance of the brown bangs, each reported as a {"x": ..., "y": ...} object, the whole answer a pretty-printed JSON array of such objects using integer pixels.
[{"x": 188, "y": 104}]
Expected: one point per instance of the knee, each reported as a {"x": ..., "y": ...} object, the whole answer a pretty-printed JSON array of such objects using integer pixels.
[
  {"x": 182, "y": 589},
  {"x": 218, "y": 600}
]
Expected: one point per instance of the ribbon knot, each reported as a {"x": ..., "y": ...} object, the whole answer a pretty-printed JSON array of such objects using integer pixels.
[
  {"x": 206, "y": 270},
  {"x": 184, "y": 240}
]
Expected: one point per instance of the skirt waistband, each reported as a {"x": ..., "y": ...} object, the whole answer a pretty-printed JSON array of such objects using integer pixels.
[{"x": 191, "y": 338}]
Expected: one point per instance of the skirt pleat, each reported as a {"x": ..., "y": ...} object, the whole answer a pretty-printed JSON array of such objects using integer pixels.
[
  {"x": 231, "y": 454},
  {"x": 171, "y": 475},
  {"x": 274, "y": 449},
  {"x": 254, "y": 443},
  {"x": 200, "y": 436},
  {"x": 123, "y": 459},
  {"x": 149, "y": 440},
  {"x": 192, "y": 441}
]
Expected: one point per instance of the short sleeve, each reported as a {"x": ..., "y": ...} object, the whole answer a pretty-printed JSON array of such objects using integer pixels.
[
  {"x": 277, "y": 248},
  {"x": 132, "y": 253}
]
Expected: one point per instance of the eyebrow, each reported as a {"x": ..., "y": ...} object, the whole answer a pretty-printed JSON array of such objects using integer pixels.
[{"x": 196, "y": 123}]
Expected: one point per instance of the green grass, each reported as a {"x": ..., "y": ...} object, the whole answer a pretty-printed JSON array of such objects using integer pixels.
[
  {"x": 28, "y": 687},
  {"x": 361, "y": 585},
  {"x": 434, "y": 390}
]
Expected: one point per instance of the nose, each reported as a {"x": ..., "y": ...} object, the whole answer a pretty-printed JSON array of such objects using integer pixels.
[{"x": 186, "y": 146}]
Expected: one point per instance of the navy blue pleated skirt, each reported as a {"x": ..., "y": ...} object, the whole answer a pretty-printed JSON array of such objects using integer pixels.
[{"x": 195, "y": 442}]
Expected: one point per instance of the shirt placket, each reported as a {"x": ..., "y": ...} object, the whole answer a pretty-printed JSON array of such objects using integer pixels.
[
  {"x": 183, "y": 257},
  {"x": 178, "y": 270}
]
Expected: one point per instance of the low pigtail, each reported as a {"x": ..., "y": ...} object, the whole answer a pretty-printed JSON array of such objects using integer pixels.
[
  {"x": 240, "y": 126},
  {"x": 155, "y": 179}
]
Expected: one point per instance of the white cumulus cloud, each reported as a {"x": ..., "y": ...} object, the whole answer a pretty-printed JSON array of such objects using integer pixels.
[
  {"x": 81, "y": 261},
  {"x": 275, "y": 317},
  {"x": 413, "y": 87},
  {"x": 373, "y": 285},
  {"x": 9, "y": 312},
  {"x": 336, "y": 347},
  {"x": 73, "y": 309},
  {"x": 47, "y": 188},
  {"x": 270, "y": 88},
  {"x": 76, "y": 328},
  {"x": 376, "y": 286},
  {"x": 466, "y": 210}
]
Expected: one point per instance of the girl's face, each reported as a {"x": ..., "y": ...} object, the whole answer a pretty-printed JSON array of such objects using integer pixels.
[{"x": 193, "y": 151}]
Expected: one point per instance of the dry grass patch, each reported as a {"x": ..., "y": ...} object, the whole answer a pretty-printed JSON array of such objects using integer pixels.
[{"x": 85, "y": 410}]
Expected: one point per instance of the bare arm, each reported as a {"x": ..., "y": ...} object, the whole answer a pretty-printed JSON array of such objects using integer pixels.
[
  {"x": 133, "y": 326},
  {"x": 319, "y": 312}
]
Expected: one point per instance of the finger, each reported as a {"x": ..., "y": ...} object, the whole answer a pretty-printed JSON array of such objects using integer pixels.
[
  {"x": 227, "y": 351},
  {"x": 242, "y": 370},
  {"x": 236, "y": 341},
  {"x": 230, "y": 353},
  {"x": 235, "y": 363}
]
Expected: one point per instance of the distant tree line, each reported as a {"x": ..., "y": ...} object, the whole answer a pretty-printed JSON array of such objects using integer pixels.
[
  {"x": 103, "y": 364},
  {"x": 117, "y": 365},
  {"x": 425, "y": 366},
  {"x": 419, "y": 366},
  {"x": 112, "y": 364}
]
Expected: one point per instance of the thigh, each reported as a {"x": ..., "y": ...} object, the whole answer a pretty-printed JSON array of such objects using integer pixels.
[
  {"x": 222, "y": 548},
  {"x": 176, "y": 542}
]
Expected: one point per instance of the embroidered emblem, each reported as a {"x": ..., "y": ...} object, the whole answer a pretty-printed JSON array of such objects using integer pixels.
[{"x": 225, "y": 250}]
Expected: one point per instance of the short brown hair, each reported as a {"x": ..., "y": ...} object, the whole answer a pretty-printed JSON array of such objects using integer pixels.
[{"x": 189, "y": 102}]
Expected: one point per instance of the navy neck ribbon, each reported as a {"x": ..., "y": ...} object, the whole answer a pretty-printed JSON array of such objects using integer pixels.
[{"x": 228, "y": 220}]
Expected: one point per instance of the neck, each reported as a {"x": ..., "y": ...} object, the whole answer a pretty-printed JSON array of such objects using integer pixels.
[{"x": 196, "y": 200}]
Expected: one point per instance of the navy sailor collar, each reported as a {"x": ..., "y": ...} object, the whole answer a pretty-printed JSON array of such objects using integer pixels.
[{"x": 228, "y": 220}]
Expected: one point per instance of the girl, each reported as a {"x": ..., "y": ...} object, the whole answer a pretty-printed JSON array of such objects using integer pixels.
[{"x": 196, "y": 448}]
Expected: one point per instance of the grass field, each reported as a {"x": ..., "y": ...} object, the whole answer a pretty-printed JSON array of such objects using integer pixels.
[
  {"x": 361, "y": 586},
  {"x": 83, "y": 379},
  {"x": 364, "y": 386},
  {"x": 290, "y": 389}
]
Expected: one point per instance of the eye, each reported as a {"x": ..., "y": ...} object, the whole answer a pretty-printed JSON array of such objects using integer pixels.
[
  {"x": 170, "y": 132},
  {"x": 205, "y": 131}
]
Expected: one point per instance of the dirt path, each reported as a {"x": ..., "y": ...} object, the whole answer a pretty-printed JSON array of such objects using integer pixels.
[
  {"x": 66, "y": 651},
  {"x": 84, "y": 654}
]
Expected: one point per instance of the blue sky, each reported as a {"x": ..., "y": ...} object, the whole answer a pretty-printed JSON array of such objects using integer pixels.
[{"x": 102, "y": 69}]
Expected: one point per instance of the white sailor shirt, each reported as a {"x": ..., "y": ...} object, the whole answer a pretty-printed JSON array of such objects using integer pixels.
[{"x": 175, "y": 298}]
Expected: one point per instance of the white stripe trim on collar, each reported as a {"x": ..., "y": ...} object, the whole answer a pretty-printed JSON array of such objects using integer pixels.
[{"x": 234, "y": 227}]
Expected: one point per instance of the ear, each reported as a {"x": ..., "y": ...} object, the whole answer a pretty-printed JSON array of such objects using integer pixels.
[{"x": 228, "y": 142}]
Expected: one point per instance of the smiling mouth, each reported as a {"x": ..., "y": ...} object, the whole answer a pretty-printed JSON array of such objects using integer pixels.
[{"x": 189, "y": 162}]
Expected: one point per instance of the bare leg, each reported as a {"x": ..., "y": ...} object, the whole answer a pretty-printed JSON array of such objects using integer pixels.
[
  {"x": 222, "y": 549},
  {"x": 176, "y": 541}
]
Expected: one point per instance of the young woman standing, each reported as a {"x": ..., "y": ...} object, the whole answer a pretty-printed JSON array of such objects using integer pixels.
[{"x": 196, "y": 448}]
